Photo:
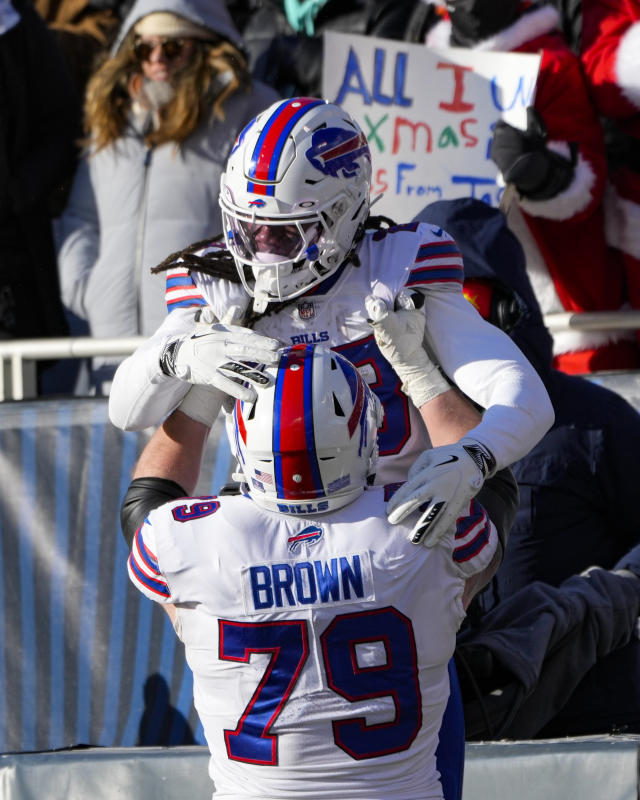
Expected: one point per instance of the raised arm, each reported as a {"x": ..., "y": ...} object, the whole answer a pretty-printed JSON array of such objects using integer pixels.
[{"x": 443, "y": 480}]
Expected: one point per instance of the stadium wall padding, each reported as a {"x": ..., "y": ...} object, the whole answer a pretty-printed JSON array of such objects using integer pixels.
[
  {"x": 85, "y": 659},
  {"x": 588, "y": 768}
]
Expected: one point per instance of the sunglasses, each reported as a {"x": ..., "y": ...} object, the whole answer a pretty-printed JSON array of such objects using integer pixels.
[{"x": 171, "y": 48}]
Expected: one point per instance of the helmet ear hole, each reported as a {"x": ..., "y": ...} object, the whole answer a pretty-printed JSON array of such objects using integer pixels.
[{"x": 337, "y": 407}]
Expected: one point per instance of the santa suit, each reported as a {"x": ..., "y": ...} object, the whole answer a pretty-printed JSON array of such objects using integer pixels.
[
  {"x": 569, "y": 262},
  {"x": 610, "y": 54}
]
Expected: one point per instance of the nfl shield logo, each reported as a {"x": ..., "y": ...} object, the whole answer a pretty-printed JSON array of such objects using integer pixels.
[{"x": 306, "y": 310}]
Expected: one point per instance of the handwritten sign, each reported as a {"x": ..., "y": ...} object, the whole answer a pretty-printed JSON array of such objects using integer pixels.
[{"x": 428, "y": 114}]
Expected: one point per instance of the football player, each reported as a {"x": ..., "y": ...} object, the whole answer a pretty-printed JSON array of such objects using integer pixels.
[
  {"x": 303, "y": 261},
  {"x": 318, "y": 635},
  {"x": 300, "y": 242}
]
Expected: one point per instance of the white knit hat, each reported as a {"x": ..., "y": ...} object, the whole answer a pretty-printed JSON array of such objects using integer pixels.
[{"x": 163, "y": 23}]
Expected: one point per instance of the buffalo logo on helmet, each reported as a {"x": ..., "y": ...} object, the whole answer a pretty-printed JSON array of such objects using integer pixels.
[
  {"x": 257, "y": 203},
  {"x": 241, "y": 136},
  {"x": 335, "y": 152}
]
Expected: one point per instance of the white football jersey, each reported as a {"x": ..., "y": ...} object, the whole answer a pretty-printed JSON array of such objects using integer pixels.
[
  {"x": 477, "y": 356},
  {"x": 319, "y": 647}
]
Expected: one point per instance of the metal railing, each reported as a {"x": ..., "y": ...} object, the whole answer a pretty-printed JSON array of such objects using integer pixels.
[
  {"x": 593, "y": 321},
  {"x": 18, "y": 358}
]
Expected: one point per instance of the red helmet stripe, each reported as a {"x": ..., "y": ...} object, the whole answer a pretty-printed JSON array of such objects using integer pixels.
[
  {"x": 294, "y": 444},
  {"x": 274, "y": 135},
  {"x": 240, "y": 422}
]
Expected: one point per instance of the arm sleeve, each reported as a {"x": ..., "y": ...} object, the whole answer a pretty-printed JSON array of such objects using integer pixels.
[
  {"x": 181, "y": 290},
  {"x": 490, "y": 369},
  {"x": 141, "y": 395},
  {"x": 438, "y": 262},
  {"x": 500, "y": 498},
  {"x": 143, "y": 568},
  {"x": 475, "y": 541},
  {"x": 143, "y": 495}
]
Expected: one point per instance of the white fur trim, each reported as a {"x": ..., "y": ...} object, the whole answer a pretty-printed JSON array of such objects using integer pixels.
[
  {"x": 622, "y": 222},
  {"x": 537, "y": 270},
  {"x": 627, "y": 65},
  {"x": 524, "y": 29},
  {"x": 574, "y": 199},
  {"x": 545, "y": 291},
  {"x": 439, "y": 35},
  {"x": 630, "y": 241},
  {"x": 574, "y": 341}
]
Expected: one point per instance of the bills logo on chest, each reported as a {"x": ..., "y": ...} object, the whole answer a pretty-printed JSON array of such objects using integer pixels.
[{"x": 307, "y": 311}]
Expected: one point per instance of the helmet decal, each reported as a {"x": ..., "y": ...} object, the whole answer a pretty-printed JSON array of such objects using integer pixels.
[
  {"x": 356, "y": 414},
  {"x": 358, "y": 396},
  {"x": 297, "y": 471},
  {"x": 240, "y": 428},
  {"x": 241, "y": 135},
  {"x": 335, "y": 152},
  {"x": 270, "y": 144}
]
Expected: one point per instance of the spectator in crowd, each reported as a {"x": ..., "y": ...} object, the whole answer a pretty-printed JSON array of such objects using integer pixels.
[
  {"x": 304, "y": 247},
  {"x": 36, "y": 147},
  {"x": 84, "y": 29},
  {"x": 308, "y": 444},
  {"x": 610, "y": 56},
  {"x": 161, "y": 115},
  {"x": 577, "y": 509},
  {"x": 558, "y": 169},
  {"x": 284, "y": 37}
]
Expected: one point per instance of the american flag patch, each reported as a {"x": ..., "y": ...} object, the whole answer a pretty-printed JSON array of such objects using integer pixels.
[{"x": 264, "y": 476}]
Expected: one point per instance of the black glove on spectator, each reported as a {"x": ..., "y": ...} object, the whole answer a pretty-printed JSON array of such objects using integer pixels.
[
  {"x": 472, "y": 21},
  {"x": 524, "y": 159}
]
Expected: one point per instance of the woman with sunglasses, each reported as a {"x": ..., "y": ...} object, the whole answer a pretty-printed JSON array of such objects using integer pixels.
[{"x": 161, "y": 116}]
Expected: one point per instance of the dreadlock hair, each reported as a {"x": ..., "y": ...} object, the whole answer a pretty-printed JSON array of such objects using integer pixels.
[
  {"x": 202, "y": 87},
  {"x": 219, "y": 263}
]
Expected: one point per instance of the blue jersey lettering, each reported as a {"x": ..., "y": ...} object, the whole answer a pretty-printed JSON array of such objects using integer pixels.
[{"x": 291, "y": 584}]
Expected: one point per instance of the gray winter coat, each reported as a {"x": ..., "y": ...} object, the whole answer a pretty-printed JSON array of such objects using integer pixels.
[{"x": 130, "y": 206}]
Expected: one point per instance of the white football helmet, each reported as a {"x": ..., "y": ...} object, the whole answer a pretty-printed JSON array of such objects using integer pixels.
[
  {"x": 294, "y": 194},
  {"x": 308, "y": 442}
]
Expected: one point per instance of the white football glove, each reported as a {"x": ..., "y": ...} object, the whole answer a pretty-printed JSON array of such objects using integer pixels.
[
  {"x": 399, "y": 336},
  {"x": 219, "y": 355},
  {"x": 440, "y": 483}
]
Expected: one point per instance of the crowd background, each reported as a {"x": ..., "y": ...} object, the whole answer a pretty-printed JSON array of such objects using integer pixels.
[{"x": 78, "y": 236}]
